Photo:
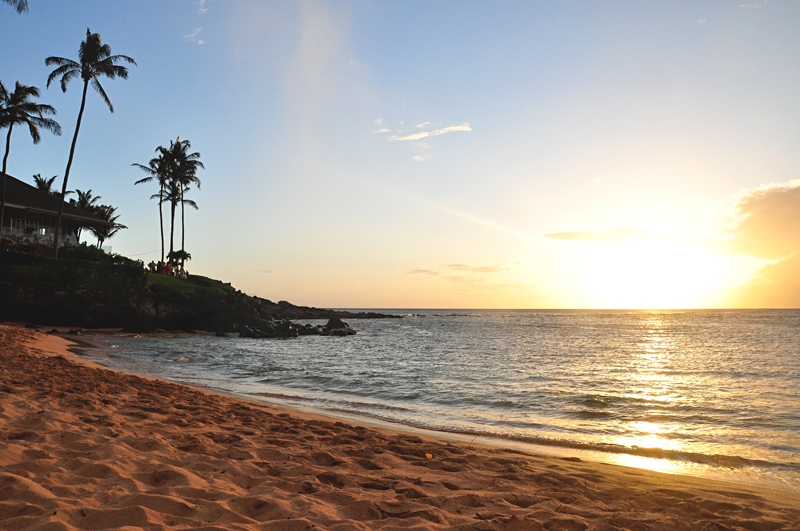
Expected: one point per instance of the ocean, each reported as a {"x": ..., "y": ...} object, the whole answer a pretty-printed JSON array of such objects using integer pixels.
[{"x": 709, "y": 393}]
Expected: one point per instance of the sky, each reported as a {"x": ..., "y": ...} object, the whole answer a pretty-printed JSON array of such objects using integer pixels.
[{"x": 415, "y": 154}]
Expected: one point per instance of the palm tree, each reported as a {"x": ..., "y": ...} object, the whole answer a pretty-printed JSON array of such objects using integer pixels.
[
  {"x": 159, "y": 168},
  {"x": 186, "y": 165},
  {"x": 86, "y": 202},
  {"x": 15, "y": 108},
  {"x": 46, "y": 185},
  {"x": 20, "y": 5},
  {"x": 106, "y": 212},
  {"x": 95, "y": 61},
  {"x": 181, "y": 255}
]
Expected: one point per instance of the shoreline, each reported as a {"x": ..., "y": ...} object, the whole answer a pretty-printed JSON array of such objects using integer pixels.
[
  {"x": 719, "y": 466},
  {"x": 656, "y": 460},
  {"x": 86, "y": 447}
]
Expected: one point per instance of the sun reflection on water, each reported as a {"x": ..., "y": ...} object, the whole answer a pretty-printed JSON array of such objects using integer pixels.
[{"x": 652, "y": 379}]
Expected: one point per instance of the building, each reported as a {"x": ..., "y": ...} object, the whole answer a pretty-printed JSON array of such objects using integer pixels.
[{"x": 30, "y": 216}]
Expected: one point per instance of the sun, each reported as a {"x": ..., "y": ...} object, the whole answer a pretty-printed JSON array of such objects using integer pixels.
[{"x": 651, "y": 274}]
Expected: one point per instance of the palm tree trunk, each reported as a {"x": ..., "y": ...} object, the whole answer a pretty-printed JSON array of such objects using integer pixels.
[
  {"x": 3, "y": 191},
  {"x": 172, "y": 232},
  {"x": 161, "y": 219},
  {"x": 66, "y": 172},
  {"x": 183, "y": 230}
]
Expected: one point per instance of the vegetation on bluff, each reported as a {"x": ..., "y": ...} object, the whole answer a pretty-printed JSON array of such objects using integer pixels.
[{"x": 89, "y": 288}]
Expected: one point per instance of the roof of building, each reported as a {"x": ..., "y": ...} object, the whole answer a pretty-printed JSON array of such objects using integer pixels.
[{"x": 23, "y": 196}]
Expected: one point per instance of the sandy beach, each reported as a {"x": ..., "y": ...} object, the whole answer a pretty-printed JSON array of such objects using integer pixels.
[{"x": 83, "y": 447}]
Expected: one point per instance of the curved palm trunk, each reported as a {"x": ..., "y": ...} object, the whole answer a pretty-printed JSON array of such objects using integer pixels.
[
  {"x": 183, "y": 230},
  {"x": 161, "y": 219},
  {"x": 66, "y": 172},
  {"x": 3, "y": 190}
]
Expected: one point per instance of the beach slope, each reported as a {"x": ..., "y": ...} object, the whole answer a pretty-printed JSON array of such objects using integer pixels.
[{"x": 82, "y": 447}]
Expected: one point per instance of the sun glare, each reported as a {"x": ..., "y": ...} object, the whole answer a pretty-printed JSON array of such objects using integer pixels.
[{"x": 651, "y": 274}]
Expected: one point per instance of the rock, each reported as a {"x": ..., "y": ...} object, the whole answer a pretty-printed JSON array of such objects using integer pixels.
[
  {"x": 286, "y": 329},
  {"x": 335, "y": 323},
  {"x": 337, "y": 327}
]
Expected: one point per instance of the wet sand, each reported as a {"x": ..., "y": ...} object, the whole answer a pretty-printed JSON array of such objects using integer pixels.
[{"x": 83, "y": 447}]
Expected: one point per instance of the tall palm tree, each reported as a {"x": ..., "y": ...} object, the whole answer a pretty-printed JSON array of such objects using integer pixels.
[
  {"x": 172, "y": 195},
  {"x": 186, "y": 166},
  {"x": 20, "y": 5},
  {"x": 95, "y": 60},
  {"x": 159, "y": 168},
  {"x": 86, "y": 202},
  {"x": 16, "y": 108}
]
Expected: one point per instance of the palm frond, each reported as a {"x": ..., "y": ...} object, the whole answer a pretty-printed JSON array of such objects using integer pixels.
[
  {"x": 61, "y": 61},
  {"x": 99, "y": 89},
  {"x": 48, "y": 124},
  {"x": 20, "y": 5}
]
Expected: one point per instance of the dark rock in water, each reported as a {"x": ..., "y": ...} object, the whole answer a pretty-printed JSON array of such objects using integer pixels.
[
  {"x": 341, "y": 332},
  {"x": 310, "y": 330},
  {"x": 32, "y": 326},
  {"x": 334, "y": 323},
  {"x": 75, "y": 332},
  {"x": 286, "y": 329},
  {"x": 337, "y": 327},
  {"x": 53, "y": 331},
  {"x": 267, "y": 329},
  {"x": 221, "y": 334}
]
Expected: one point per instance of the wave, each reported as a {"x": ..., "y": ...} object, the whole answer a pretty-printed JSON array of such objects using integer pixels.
[{"x": 718, "y": 460}]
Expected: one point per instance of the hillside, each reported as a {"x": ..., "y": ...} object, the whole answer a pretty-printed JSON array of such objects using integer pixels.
[{"x": 89, "y": 289}]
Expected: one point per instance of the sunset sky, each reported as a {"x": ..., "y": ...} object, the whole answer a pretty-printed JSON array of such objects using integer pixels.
[{"x": 446, "y": 154}]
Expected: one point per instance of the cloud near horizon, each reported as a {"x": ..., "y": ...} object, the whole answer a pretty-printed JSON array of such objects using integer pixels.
[
  {"x": 425, "y": 134},
  {"x": 423, "y": 271},
  {"x": 496, "y": 268},
  {"x": 763, "y": 223}
]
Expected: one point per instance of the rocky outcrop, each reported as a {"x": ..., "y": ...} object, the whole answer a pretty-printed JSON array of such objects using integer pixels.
[
  {"x": 79, "y": 293},
  {"x": 286, "y": 329}
]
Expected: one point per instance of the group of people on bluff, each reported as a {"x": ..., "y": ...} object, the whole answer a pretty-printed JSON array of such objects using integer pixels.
[{"x": 168, "y": 269}]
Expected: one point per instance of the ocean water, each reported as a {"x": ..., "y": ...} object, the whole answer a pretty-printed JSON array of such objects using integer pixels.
[{"x": 706, "y": 393}]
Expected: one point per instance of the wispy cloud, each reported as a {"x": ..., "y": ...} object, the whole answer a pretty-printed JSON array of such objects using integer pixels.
[
  {"x": 418, "y": 136},
  {"x": 201, "y": 6},
  {"x": 269, "y": 271},
  {"x": 422, "y": 271},
  {"x": 423, "y": 124},
  {"x": 379, "y": 121},
  {"x": 753, "y": 5},
  {"x": 192, "y": 37},
  {"x": 630, "y": 234},
  {"x": 496, "y": 268},
  {"x": 384, "y": 130},
  {"x": 420, "y": 158}
]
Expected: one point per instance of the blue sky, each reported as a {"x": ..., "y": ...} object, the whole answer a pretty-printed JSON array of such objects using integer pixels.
[{"x": 552, "y": 117}]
